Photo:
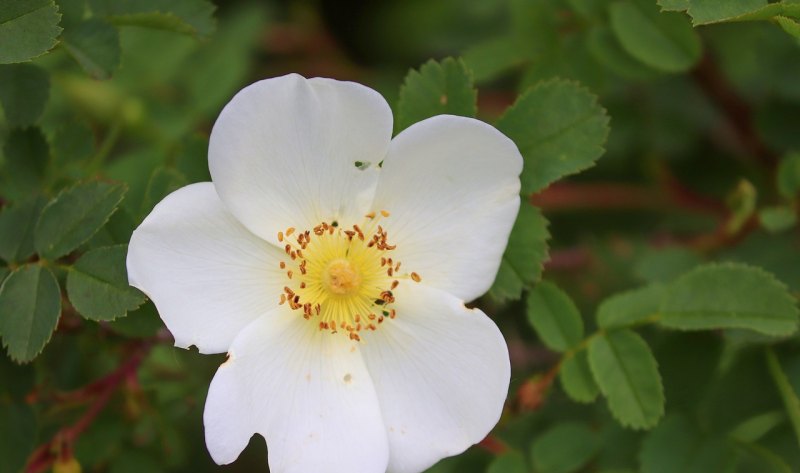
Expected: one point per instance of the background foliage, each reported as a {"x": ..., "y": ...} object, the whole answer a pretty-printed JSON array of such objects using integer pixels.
[{"x": 649, "y": 298}]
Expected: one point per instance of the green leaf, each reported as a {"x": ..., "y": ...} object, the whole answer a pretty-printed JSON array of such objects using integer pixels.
[
  {"x": 217, "y": 71},
  {"x": 554, "y": 316},
  {"x": 607, "y": 50},
  {"x": 730, "y": 295},
  {"x": 27, "y": 153},
  {"x": 662, "y": 40},
  {"x": 511, "y": 462},
  {"x": 565, "y": 448},
  {"x": 677, "y": 446},
  {"x": 140, "y": 323},
  {"x": 30, "y": 303},
  {"x": 789, "y": 176},
  {"x": 24, "y": 90},
  {"x": 97, "y": 284},
  {"x": 18, "y": 431},
  {"x": 182, "y": 16},
  {"x": 789, "y": 25},
  {"x": 626, "y": 372},
  {"x": 790, "y": 399},
  {"x": 16, "y": 229},
  {"x": 73, "y": 142},
  {"x": 524, "y": 257},
  {"x": 673, "y": 5},
  {"x": 712, "y": 11},
  {"x": 493, "y": 58},
  {"x": 576, "y": 378},
  {"x": 560, "y": 129},
  {"x": 437, "y": 88},
  {"x": 631, "y": 307},
  {"x": 28, "y": 28},
  {"x": 94, "y": 44},
  {"x": 162, "y": 182},
  {"x": 75, "y": 215},
  {"x": 665, "y": 264},
  {"x": 705, "y": 12},
  {"x": 778, "y": 218}
]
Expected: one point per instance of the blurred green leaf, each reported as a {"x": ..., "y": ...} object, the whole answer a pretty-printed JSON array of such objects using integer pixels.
[
  {"x": 576, "y": 378},
  {"x": 72, "y": 142},
  {"x": 631, "y": 307},
  {"x": 28, "y": 28},
  {"x": 30, "y": 304},
  {"x": 18, "y": 431},
  {"x": 182, "y": 16},
  {"x": 16, "y": 229},
  {"x": 27, "y": 154},
  {"x": 75, "y": 215},
  {"x": 676, "y": 446},
  {"x": 554, "y": 316},
  {"x": 72, "y": 11},
  {"x": 162, "y": 182},
  {"x": 789, "y": 176},
  {"x": 742, "y": 203},
  {"x": 135, "y": 461},
  {"x": 140, "y": 323},
  {"x": 565, "y": 448},
  {"x": 437, "y": 88},
  {"x": 97, "y": 284},
  {"x": 511, "y": 462},
  {"x": 215, "y": 73},
  {"x": 605, "y": 47},
  {"x": 754, "y": 428},
  {"x": 665, "y": 264},
  {"x": 627, "y": 374},
  {"x": 524, "y": 257},
  {"x": 560, "y": 129},
  {"x": 491, "y": 59},
  {"x": 790, "y": 399},
  {"x": 730, "y": 296},
  {"x": 24, "y": 90},
  {"x": 662, "y": 40},
  {"x": 17, "y": 380},
  {"x": 777, "y": 218},
  {"x": 94, "y": 44}
]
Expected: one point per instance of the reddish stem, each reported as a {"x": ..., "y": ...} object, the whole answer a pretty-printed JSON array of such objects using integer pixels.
[
  {"x": 101, "y": 391},
  {"x": 740, "y": 117}
]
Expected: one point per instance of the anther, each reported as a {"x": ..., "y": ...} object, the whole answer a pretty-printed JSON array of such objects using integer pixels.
[
  {"x": 384, "y": 213},
  {"x": 415, "y": 277}
]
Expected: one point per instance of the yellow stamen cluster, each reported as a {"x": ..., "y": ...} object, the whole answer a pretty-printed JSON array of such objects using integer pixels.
[{"x": 342, "y": 278}]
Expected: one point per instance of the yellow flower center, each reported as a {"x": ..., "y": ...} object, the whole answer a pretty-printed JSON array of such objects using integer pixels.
[{"x": 342, "y": 278}]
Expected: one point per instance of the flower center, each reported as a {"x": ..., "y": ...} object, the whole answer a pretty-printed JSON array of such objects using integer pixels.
[{"x": 342, "y": 278}]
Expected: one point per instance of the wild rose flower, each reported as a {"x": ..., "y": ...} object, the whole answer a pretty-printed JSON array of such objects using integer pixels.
[{"x": 332, "y": 262}]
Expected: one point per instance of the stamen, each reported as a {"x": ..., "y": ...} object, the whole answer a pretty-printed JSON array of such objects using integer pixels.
[{"x": 342, "y": 275}]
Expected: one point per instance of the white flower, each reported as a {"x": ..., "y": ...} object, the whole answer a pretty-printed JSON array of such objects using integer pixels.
[{"x": 332, "y": 263}]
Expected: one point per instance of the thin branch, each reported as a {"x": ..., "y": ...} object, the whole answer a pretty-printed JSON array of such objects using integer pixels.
[
  {"x": 737, "y": 112},
  {"x": 100, "y": 393}
]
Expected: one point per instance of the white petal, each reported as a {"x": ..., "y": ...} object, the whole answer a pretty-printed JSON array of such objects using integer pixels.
[
  {"x": 283, "y": 152},
  {"x": 306, "y": 392},
  {"x": 452, "y": 187},
  {"x": 441, "y": 372},
  {"x": 207, "y": 274}
]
